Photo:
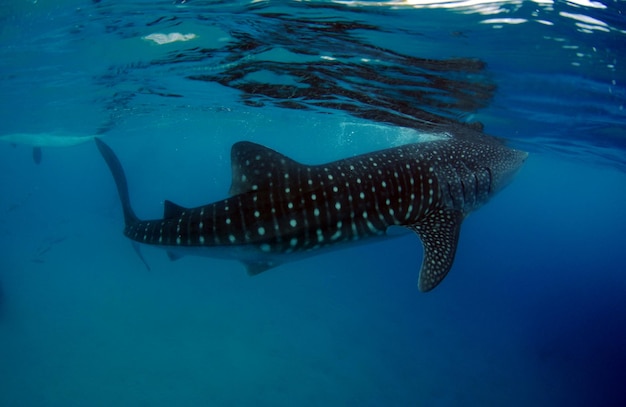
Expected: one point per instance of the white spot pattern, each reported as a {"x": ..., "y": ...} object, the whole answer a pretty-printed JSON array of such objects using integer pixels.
[{"x": 350, "y": 200}]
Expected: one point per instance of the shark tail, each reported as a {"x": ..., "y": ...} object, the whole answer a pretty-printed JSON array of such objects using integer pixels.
[{"x": 120, "y": 180}]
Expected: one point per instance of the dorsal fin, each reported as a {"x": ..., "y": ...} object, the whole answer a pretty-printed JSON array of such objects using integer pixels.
[
  {"x": 172, "y": 210},
  {"x": 255, "y": 166},
  {"x": 439, "y": 233}
]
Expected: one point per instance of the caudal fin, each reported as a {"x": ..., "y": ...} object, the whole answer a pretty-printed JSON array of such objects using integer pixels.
[{"x": 120, "y": 180}]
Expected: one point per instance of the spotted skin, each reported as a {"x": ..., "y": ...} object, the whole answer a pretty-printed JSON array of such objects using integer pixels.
[{"x": 279, "y": 208}]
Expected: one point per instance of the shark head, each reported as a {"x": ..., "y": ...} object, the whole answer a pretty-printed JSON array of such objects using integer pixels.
[{"x": 504, "y": 166}]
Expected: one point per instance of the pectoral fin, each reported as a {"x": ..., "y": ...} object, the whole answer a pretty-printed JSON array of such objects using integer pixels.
[{"x": 439, "y": 233}]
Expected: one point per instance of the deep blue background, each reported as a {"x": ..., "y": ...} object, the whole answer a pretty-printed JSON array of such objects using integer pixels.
[{"x": 532, "y": 313}]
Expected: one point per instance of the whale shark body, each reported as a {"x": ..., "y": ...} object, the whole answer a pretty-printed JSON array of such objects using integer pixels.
[{"x": 280, "y": 210}]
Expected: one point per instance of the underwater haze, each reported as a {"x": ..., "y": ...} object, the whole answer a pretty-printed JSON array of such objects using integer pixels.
[{"x": 533, "y": 312}]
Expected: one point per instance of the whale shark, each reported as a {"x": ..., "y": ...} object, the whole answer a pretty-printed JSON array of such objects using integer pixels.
[
  {"x": 39, "y": 140},
  {"x": 279, "y": 210}
]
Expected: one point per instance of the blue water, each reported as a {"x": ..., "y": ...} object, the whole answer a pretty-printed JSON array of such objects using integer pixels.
[{"x": 532, "y": 313}]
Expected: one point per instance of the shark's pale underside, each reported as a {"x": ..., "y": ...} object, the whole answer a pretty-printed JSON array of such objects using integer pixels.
[{"x": 280, "y": 210}]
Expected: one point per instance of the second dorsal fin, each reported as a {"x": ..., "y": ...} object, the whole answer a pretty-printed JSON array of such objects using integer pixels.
[{"x": 172, "y": 210}]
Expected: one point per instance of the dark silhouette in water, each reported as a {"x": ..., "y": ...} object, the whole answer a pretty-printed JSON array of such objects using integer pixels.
[
  {"x": 45, "y": 139},
  {"x": 280, "y": 210},
  {"x": 37, "y": 155}
]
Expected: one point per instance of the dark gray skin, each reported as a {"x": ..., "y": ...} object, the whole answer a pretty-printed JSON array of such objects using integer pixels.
[{"x": 280, "y": 210}]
